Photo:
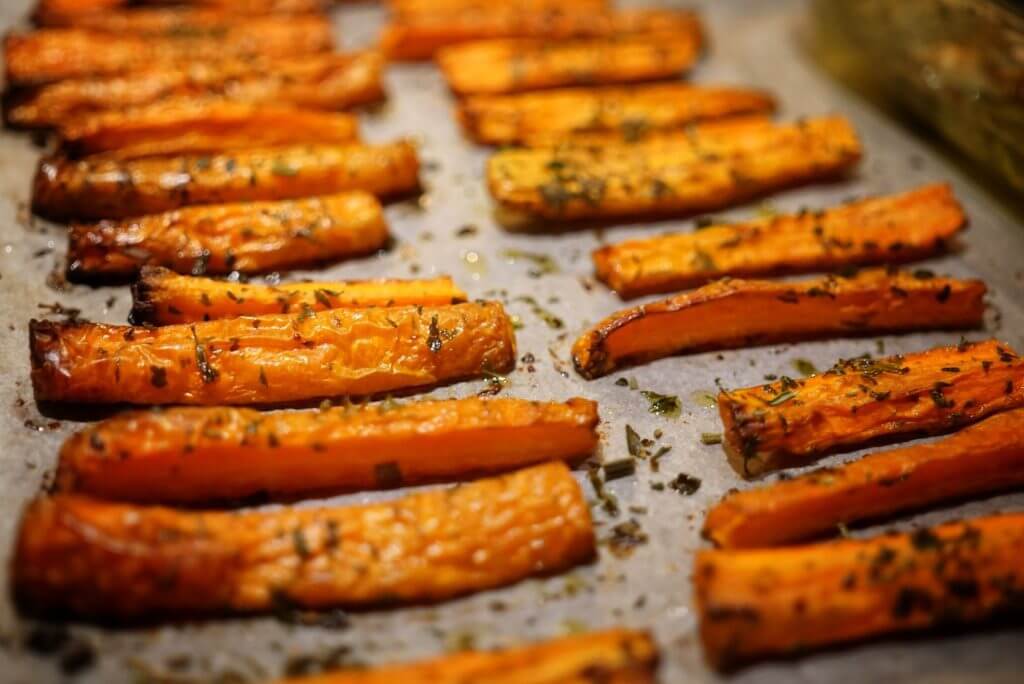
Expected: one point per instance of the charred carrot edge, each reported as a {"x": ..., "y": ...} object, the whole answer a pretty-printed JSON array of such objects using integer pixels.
[
  {"x": 861, "y": 400},
  {"x": 107, "y": 188},
  {"x": 761, "y": 603},
  {"x": 495, "y": 67},
  {"x": 510, "y": 119},
  {"x": 138, "y": 562},
  {"x": 251, "y": 237},
  {"x": 982, "y": 458},
  {"x": 48, "y": 55},
  {"x": 197, "y": 455},
  {"x": 740, "y": 313},
  {"x": 665, "y": 178},
  {"x": 201, "y": 20},
  {"x": 321, "y": 81},
  {"x": 271, "y": 359},
  {"x": 201, "y": 127},
  {"x": 162, "y": 297},
  {"x": 82, "y": 12},
  {"x": 615, "y": 656},
  {"x": 888, "y": 229}
]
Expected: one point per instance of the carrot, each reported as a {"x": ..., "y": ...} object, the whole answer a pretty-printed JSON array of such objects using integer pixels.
[
  {"x": 401, "y": 8},
  {"x": 889, "y": 229},
  {"x": 201, "y": 127},
  {"x": 739, "y": 313},
  {"x": 109, "y": 188},
  {"x": 197, "y": 21},
  {"x": 251, "y": 237},
  {"x": 162, "y": 297},
  {"x": 508, "y": 119},
  {"x": 615, "y": 656},
  {"x": 716, "y": 136},
  {"x": 666, "y": 178},
  {"x": 321, "y": 81},
  {"x": 762, "y": 603},
  {"x": 861, "y": 400},
  {"x": 136, "y": 562},
  {"x": 196, "y": 455},
  {"x": 84, "y": 12},
  {"x": 982, "y": 458},
  {"x": 54, "y": 54},
  {"x": 270, "y": 359}
]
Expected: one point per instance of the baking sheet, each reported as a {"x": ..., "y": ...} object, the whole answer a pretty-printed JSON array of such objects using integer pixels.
[{"x": 451, "y": 230}]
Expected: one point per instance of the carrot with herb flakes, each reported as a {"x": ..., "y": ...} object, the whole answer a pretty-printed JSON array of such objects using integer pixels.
[
  {"x": 163, "y": 297},
  {"x": 197, "y": 455},
  {"x": 861, "y": 400},
  {"x": 88, "y": 12},
  {"x": 136, "y": 562},
  {"x": 889, "y": 229},
  {"x": 755, "y": 604},
  {"x": 196, "y": 21},
  {"x": 615, "y": 656},
  {"x": 510, "y": 119},
  {"x": 740, "y": 313},
  {"x": 271, "y": 359},
  {"x": 321, "y": 81},
  {"x": 666, "y": 178},
  {"x": 201, "y": 127},
  {"x": 250, "y": 237},
  {"x": 716, "y": 136},
  {"x": 98, "y": 188},
  {"x": 980, "y": 459}
]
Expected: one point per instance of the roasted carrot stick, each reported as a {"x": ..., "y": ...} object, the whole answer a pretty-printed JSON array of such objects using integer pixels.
[
  {"x": 615, "y": 656},
  {"x": 197, "y": 21},
  {"x": 738, "y": 313},
  {"x": 508, "y": 119},
  {"x": 401, "y": 8},
  {"x": 198, "y": 455},
  {"x": 82, "y": 12},
  {"x": 666, "y": 178},
  {"x": 982, "y": 458},
  {"x": 201, "y": 127},
  {"x": 86, "y": 557},
  {"x": 861, "y": 400},
  {"x": 772, "y": 602},
  {"x": 270, "y": 359},
  {"x": 109, "y": 188},
  {"x": 162, "y": 297},
  {"x": 54, "y": 54},
  {"x": 321, "y": 81},
  {"x": 716, "y": 136},
  {"x": 250, "y": 237},
  {"x": 494, "y": 67},
  {"x": 889, "y": 229}
]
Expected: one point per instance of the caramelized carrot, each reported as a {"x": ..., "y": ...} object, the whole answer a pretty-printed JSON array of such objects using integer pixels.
[
  {"x": 136, "y": 562},
  {"x": 739, "y": 313},
  {"x": 716, "y": 136},
  {"x": 980, "y": 459},
  {"x": 615, "y": 656},
  {"x": 162, "y": 297},
  {"x": 889, "y": 229},
  {"x": 97, "y": 188},
  {"x": 251, "y": 237},
  {"x": 270, "y": 359},
  {"x": 82, "y": 12},
  {"x": 197, "y": 21},
  {"x": 773, "y": 602},
  {"x": 861, "y": 400}
]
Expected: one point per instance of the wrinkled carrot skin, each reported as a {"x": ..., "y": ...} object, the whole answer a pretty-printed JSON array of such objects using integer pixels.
[
  {"x": 762, "y": 603},
  {"x": 197, "y": 455},
  {"x": 792, "y": 422},
  {"x": 732, "y": 313},
  {"x": 419, "y": 35},
  {"x": 665, "y": 178},
  {"x": 251, "y": 237},
  {"x": 616, "y": 656},
  {"x": 980, "y": 459},
  {"x": 87, "y": 12},
  {"x": 97, "y": 188},
  {"x": 510, "y": 119},
  {"x": 271, "y": 359},
  {"x": 496, "y": 67},
  {"x": 890, "y": 229},
  {"x": 201, "y": 127},
  {"x": 159, "y": 22},
  {"x": 85, "y": 557},
  {"x": 321, "y": 81},
  {"x": 50, "y": 55},
  {"x": 162, "y": 297}
]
